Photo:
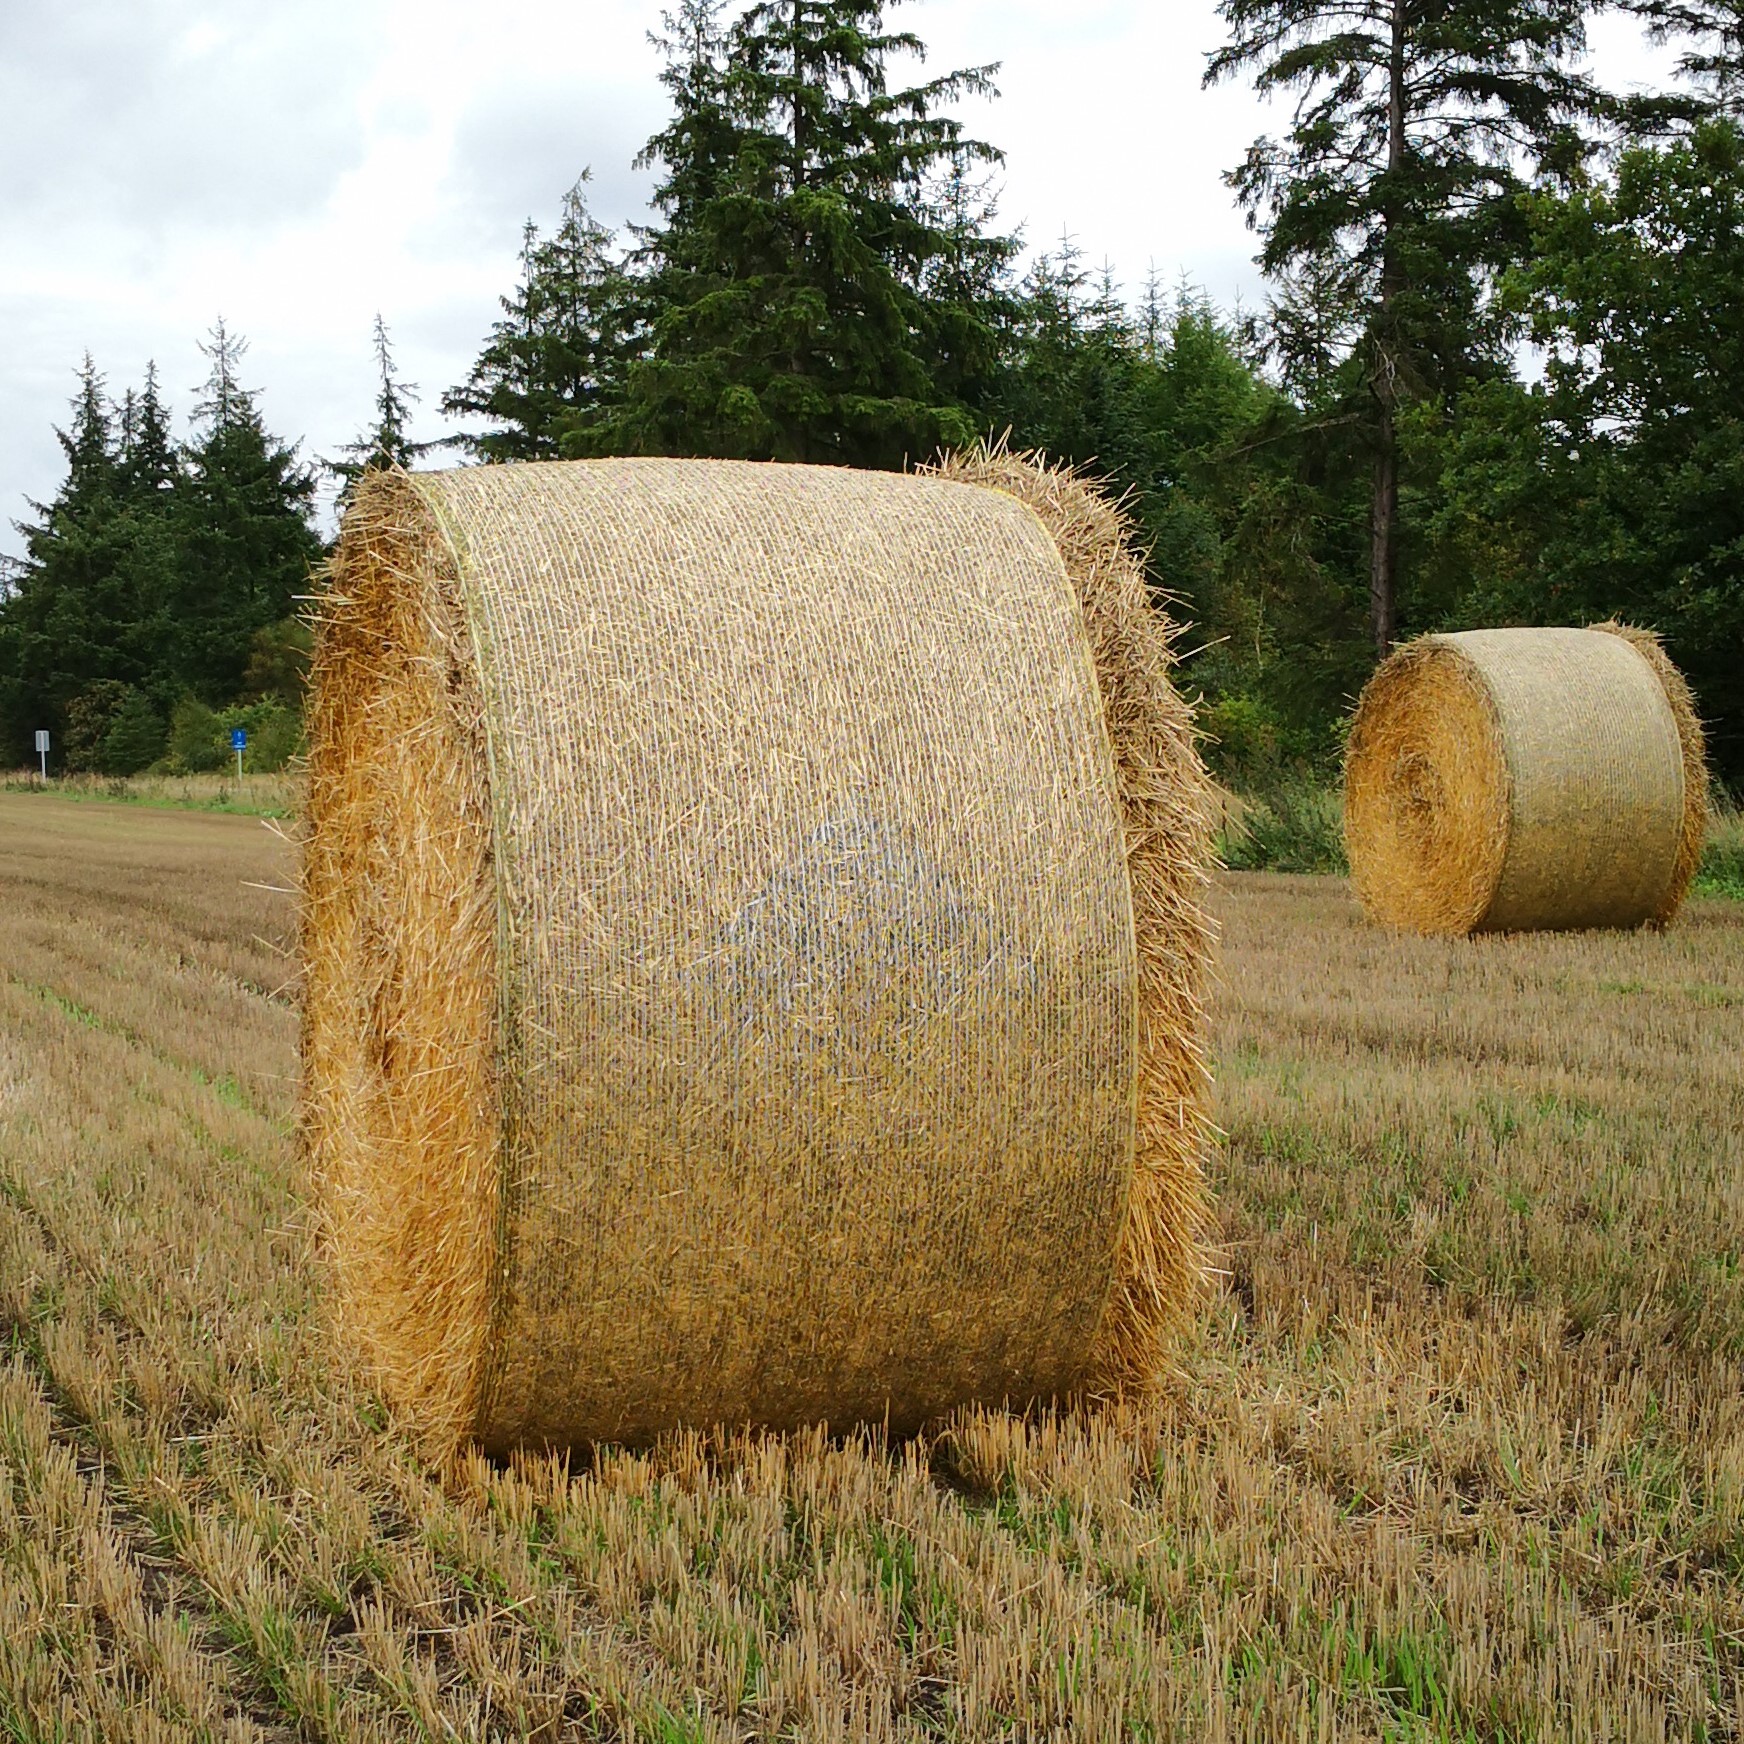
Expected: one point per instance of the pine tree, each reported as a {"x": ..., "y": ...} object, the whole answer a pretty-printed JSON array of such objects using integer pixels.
[
  {"x": 1711, "y": 33},
  {"x": 1400, "y": 182},
  {"x": 386, "y": 442},
  {"x": 149, "y": 478},
  {"x": 71, "y": 625},
  {"x": 503, "y": 383},
  {"x": 556, "y": 356},
  {"x": 247, "y": 545},
  {"x": 153, "y": 572},
  {"x": 968, "y": 285},
  {"x": 815, "y": 288},
  {"x": 699, "y": 146},
  {"x": 90, "y": 445},
  {"x": 150, "y": 466},
  {"x": 1151, "y": 314},
  {"x": 1073, "y": 370}
]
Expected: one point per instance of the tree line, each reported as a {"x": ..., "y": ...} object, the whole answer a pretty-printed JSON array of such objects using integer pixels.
[
  {"x": 1492, "y": 381},
  {"x": 160, "y": 584}
]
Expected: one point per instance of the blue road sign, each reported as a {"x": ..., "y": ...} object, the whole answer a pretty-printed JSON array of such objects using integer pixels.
[{"x": 238, "y": 739}]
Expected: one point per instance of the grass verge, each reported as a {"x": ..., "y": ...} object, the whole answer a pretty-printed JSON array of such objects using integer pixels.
[
  {"x": 1722, "y": 868},
  {"x": 269, "y": 796}
]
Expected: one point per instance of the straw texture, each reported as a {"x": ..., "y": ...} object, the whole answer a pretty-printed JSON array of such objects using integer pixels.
[
  {"x": 1166, "y": 804},
  {"x": 1513, "y": 780},
  {"x": 751, "y": 1026},
  {"x": 401, "y": 1037}
]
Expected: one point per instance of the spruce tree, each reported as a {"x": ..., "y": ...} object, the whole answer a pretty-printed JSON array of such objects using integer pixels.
[
  {"x": 968, "y": 285},
  {"x": 504, "y": 382},
  {"x": 1075, "y": 361},
  {"x": 386, "y": 442},
  {"x": 149, "y": 476},
  {"x": 1627, "y": 469},
  {"x": 247, "y": 545},
  {"x": 89, "y": 445},
  {"x": 150, "y": 465},
  {"x": 71, "y": 626},
  {"x": 1399, "y": 184},
  {"x": 557, "y": 354},
  {"x": 1711, "y": 35},
  {"x": 811, "y": 292}
]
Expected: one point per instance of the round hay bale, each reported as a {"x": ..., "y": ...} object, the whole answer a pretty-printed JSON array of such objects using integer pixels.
[
  {"x": 1515, "y": 780},
  {"x": 753, "y": 958}
]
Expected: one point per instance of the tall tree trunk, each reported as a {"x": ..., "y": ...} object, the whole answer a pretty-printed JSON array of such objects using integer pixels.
[{"x": 1384, "y": 511}]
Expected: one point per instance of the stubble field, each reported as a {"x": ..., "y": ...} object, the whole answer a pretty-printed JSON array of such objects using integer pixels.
[{"x": 1457, "y": 1452}]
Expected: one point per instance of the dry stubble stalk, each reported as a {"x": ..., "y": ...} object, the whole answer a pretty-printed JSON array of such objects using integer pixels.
[
  {"x": 753, "y": 947},
  {"x": 1525, "y": 779}
]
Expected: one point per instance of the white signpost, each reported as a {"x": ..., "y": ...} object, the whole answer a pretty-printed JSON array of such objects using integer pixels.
[{"x": 42, "y": 749}]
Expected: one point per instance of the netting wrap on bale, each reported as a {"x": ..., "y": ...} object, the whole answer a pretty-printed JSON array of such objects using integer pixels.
[
  {"x": 752, "y": 949},
  {"x": 1512, "y": 780}
]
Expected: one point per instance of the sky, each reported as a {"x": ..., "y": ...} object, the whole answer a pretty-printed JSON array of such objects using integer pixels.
[{"x": 297, "y": 167}]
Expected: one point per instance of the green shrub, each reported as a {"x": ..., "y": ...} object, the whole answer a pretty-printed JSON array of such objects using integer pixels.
[
  {"x": 135, "y": 736},
  {"x": 1241, "y": 737},
  {"x": 274, "y": 729},
  {"x": 1293, "y": 824},
  {"x": 196, "y": 745},
  {"x": 1722, "y": 868},
  {"x": 89, "y": 715},
  {"x": 278, "y": 661},
  {"x": 200, "y": 736},
  {"x": 111, "y": 729}
]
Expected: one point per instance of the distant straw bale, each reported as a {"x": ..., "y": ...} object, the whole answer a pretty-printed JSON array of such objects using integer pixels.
[
  {"x": 753, "y": 953},
  {"x": 1515, "y": 780}
]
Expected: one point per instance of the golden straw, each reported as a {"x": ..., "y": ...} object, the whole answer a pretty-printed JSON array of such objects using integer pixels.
[
  {"x": 1512, "y": 780},
  {"x": 754, "y": 961}
]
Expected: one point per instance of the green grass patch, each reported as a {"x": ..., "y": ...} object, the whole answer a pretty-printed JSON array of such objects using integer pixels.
[
  {"x": 264, "y": 796},
  {"x": 1722, "y": 869},
  {"x": 1290, "y": 825}
]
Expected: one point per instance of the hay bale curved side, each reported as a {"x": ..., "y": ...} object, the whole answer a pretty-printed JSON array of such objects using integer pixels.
[
  {"x": 1160, "y": 1268},
  {"x": 1512, "y": 780},
  {"x": 802, "y": 1002},
  {"x": 400, "y": 1024}
]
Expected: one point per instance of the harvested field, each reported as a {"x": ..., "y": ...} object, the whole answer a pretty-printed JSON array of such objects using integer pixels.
[{"x": 1458, "y": 1452}]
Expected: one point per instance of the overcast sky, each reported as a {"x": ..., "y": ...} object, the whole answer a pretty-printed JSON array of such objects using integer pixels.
[{"x": 297, "y": 167}]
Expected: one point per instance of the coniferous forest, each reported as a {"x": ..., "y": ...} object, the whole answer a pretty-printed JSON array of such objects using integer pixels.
[{"x": 1494, "y": 380}]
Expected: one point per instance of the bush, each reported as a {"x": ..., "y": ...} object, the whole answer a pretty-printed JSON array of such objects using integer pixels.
[
  {"x": 200, "y": 736},
  {"x": 196, "y": 747},
  {"x": 278, "y": 662},
  {"x": 1241, "y": 736},
  {"x": 135, "y": 738},
  {"x": 1722, "y": 868},
  {"x": 275, "y": 733},
  {"x": 1252, "y": 745},
  {"x": 1293, "y": 824},
  {"x": 112, "y": 729},
  {"x": 88, "y": 717}
]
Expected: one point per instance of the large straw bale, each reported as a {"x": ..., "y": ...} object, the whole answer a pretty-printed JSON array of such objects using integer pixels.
[
  {"x": 753, "y": 957},
  {"x": 1513, "y": 780}
]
